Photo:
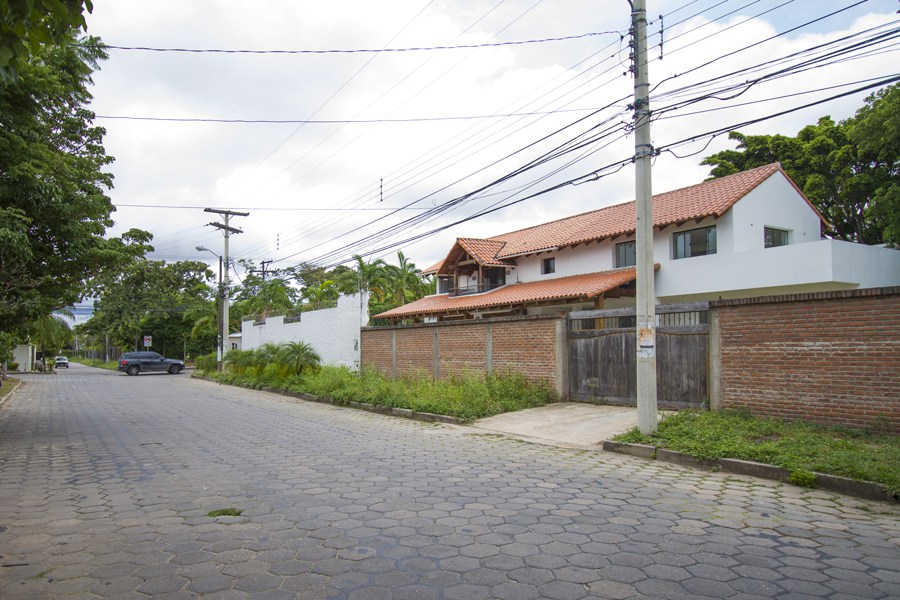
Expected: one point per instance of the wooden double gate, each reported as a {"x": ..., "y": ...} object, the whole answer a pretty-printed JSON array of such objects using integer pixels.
[{"x": 603, "y": 361}]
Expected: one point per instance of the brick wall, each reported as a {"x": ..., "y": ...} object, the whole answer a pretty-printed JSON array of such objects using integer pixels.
[
  {"x": 530, "y": 350},
  {"x": 462, "y": 349},
  {"x": 829, "y": 357},
  {"x": 377, "y": 349},
  {"x": 527, "y": 345}
]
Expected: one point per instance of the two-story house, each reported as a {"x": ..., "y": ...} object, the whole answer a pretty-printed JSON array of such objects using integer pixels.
[{"x": 750, "y": 234}]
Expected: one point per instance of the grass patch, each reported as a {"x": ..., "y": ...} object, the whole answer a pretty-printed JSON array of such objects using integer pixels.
[
  {"x": 112, "y": 365},
  {"x": 467, "y": 397},
  {"x": 225, "y": 512},
  {"x": 799, "y": 446}
]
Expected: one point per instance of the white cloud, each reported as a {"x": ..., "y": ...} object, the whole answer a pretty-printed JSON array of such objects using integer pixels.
[{"x": 315, "y": 166}]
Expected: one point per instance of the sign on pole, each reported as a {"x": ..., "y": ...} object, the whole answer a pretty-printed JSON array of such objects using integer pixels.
[{"x": 148, "y": 341}]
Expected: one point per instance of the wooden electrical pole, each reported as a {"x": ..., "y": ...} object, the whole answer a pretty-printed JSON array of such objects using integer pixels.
[{"x": 646, "y": 294}]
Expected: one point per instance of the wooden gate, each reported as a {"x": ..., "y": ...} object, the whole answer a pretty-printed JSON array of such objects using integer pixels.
[{"x": 603, "y": 362}]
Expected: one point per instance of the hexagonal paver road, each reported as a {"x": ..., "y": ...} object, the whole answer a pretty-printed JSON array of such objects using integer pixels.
[{"x": 106, "y": 482}]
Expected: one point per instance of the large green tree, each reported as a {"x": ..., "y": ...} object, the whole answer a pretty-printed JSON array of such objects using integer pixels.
[
  {"x": 26, "y": 26},
  {"x": 848, "y": 170},
  {"x": 54, "y": 210},
  {"x": 154, "y": 298}
]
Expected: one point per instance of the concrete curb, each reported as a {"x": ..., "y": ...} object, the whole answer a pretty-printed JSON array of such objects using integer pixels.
[
  {"x": 865, "y": 490},
  {"x": 8, "y": 389},
  {"x": 405, "y": 413}
]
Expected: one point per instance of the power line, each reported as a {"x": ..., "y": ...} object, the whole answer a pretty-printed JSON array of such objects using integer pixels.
[
  {"x": 366, "y": 50},
  {"x": 339, "y": 121}
]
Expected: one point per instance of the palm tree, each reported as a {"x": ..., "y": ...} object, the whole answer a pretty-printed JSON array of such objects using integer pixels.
[
  {"x": 296, "y": 357},
  {"x": 322, "y": 295},
  {"x": 406, "y": 281},
  {"x": 240, "y": 361},
  {"x": 373, "y": 276},
  {"x": 51, "y": 332}
]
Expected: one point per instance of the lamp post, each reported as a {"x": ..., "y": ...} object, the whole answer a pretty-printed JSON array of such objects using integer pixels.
[{"x": 220, "y": 342}]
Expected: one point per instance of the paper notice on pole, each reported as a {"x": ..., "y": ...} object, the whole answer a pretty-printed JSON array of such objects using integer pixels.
[{"x": 647, "y": 342}]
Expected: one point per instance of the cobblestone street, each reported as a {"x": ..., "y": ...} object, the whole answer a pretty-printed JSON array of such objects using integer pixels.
[{"x": 106, "y": 481}]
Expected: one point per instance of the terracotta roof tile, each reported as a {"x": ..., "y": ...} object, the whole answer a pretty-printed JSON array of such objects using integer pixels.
[
  {"x": 588, "y": 285},
  {"x": 484, "y": 251},
  {"x": 710, "y": 198}
]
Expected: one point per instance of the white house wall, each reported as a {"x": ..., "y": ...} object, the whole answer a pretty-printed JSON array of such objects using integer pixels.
[
  {"x": 332, "y": 332},
  {"x": 773, "y": 203},
  {"x": 824, "y": 265},
  {"x": 22, "y": 354}
]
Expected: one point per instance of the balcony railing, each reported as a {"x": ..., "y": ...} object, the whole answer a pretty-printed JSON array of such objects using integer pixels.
[{"x": 476, "y": 288}]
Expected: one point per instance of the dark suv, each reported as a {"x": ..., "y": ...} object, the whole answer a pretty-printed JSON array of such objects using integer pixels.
[{"x": 135, "y": 362}]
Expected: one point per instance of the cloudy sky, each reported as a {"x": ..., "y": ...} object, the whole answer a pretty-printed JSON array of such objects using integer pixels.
[{"x": 370, "y": 137}]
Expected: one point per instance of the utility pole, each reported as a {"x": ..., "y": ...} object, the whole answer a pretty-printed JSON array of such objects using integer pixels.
[
  {"x": 646, "y": 294},
  {"x": 263, "y": 270},
  {"x": 227, "y": 230}
]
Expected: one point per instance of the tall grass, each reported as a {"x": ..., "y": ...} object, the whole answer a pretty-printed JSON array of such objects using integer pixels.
[{"x": 467, "y": 397}]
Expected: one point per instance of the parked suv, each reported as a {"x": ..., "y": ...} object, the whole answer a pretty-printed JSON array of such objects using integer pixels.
[{"x": 136, "y": 362}]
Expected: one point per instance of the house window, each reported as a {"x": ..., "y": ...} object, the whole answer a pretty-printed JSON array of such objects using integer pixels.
[
  {"x": 548, "y": 265},
  {"x": 625, "y": 256},
  {"x": 444, "y": 284},
  {"x": 775, "y": 237},
  {"x": 696, "y": 242}
]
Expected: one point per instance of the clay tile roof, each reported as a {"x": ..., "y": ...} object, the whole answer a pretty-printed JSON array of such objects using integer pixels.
[
  {"x": 707, "y": 199},
  {"x": 588, "y": 285},
  {"x": 484, "y": 251}
]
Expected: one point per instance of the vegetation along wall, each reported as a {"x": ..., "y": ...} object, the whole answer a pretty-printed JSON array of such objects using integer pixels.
[
  {"x": 531, "y": 345},
  {"x": 831, "y": 357}
]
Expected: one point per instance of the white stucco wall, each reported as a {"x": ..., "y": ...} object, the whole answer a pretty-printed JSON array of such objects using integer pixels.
[
  {"x": 774, "y": 203},
  {"x": 332, "y": 332},
  {"x": 824, "y": 265},
  {"x": 22, "y": 354}
]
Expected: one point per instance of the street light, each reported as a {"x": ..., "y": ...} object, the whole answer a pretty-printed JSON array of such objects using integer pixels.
[{"x": 220, "y": 299}]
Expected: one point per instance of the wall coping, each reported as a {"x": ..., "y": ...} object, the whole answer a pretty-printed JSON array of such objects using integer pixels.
[
  {"x": 560, "y": 315},
  {"x": 835, "y": 295}
]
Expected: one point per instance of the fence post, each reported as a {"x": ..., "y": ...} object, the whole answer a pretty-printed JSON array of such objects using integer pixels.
[{"x": 715, "y": 361}]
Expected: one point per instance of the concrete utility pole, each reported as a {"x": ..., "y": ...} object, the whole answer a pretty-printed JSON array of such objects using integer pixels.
[
  {"x": 646, "y": 294},
  {"x": 227, "y": 230},
  {"x": 220, "y": 294}
]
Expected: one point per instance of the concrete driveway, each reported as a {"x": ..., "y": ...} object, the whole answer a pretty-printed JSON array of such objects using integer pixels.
[{"x": 567, "y": 424}]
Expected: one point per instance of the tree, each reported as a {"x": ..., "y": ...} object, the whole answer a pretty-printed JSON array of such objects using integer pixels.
[
  {"x": 876, "y": 131},
  {"x": 28, "y": 25},
  {"x": 296, "y": 357},
  {"x": 54, "y": 211},
  {"x": 150, "y": 297},
  {"x": 368, "y": 276},
  {"x": 321, "y": 296},
  {"x": 848, "y": 170},
  {"x": 51, "y": 333},
  {"x": 405, "y": 281}
]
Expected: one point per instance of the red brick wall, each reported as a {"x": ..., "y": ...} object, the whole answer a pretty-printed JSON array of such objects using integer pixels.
[
  {"x": 521, "y": 344},
  {"x": 376, "y": 349},
  {"x": 831, "y": 357},
  {"x": 462, "y": 349},
  {"x": 530, "y": 349},
  {"x": 415, "y": 352}
]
